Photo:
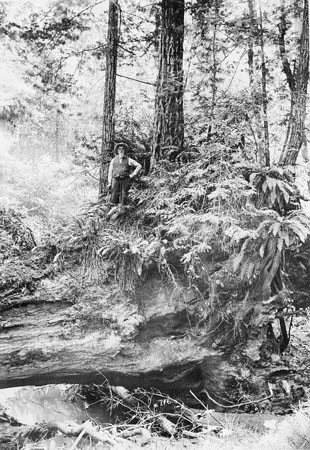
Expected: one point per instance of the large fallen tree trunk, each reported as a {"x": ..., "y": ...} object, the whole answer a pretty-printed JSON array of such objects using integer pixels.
[
  {"x": 62, "y": 334},
  {"x": 54, "y": 328}
]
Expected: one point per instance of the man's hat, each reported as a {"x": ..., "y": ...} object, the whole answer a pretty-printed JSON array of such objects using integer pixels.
[{"x": 121, "y": 144}]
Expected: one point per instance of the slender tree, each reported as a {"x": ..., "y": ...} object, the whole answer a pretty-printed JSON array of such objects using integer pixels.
[
  {"x": 215, "y": 66},
  {"x": 258, "y": 83},
  {"x": 169, "y": 118},
  {"x": 297, "y": 79},
  {"x": 266, "y": 151},
  {"x": 109, "y": 93},
  {"x": 251, "y": 41},
  {"x": 57, "y": 135}
]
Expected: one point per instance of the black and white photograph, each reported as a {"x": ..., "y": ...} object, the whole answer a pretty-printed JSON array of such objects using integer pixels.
[{"x": 154, "y": 225}]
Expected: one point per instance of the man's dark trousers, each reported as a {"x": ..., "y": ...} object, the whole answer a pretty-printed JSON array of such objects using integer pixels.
[{"x": 119, "y": 190}]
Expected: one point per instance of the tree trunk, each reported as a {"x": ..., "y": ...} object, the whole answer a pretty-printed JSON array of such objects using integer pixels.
[
  {"x": 214, "y": 70},
  {"x": 169, "y": 118},
  {"x": 109, "y": 94},
  {"x": 298, "y": 83},
  {"x": 49, "y": 338},
  {"x": 258, "y": 85},
  {"x": 54, "y": 328},
  {"x": 266, "y": 152},
  {"x": 251, "y": 44},
  {"x": 57, "y": 135}
]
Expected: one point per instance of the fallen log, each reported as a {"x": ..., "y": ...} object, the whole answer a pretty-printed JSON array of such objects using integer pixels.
[
  {"x": 61, "y": 331},
  {"x": 57, "y": 336}
]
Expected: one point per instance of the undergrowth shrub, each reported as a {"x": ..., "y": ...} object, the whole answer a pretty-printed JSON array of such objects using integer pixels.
[
  {"x": 195, "y": 224},
  {"x": 105, "y": 251},
  {"x": 189, "y": 217},
  {"x": 11, "y": 223},
  {"x": 47, "y": 194}
]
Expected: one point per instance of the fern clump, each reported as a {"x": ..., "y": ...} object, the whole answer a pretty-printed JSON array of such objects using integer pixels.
[{"x": 215, "y": 225}]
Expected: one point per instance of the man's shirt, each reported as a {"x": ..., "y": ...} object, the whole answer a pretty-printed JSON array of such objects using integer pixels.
[{"x": 131, "y": 163}]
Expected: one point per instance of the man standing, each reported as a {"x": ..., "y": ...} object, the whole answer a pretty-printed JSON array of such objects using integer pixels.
[{"x": 120, "y": 174}]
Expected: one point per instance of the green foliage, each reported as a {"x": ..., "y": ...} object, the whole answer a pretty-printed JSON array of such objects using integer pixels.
[
  {"x": 127, "y": 252},
  {"x": 217, "y": 209},
  {"x": 104, "y": 251},
  {"x": 60, "y": 24},
  {"x": 275, "y": 189},
  {"x": 212, "y": 205},
  {"x": 82, "y": 237},
  {"x": 275, "y": 234},
  {"x": 9, "y": 113},
  {"x": 11, "y": 223}
]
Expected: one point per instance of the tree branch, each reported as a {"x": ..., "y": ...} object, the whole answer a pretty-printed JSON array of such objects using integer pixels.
[{"x": 135, "y": 79}]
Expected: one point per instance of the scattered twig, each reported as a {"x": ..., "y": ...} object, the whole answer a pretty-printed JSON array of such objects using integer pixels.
[
  {"x": 238, "y": 404},
  {"x": 166, "y": 425},
  {"x": 85, "y": 428},
  {"x": 204, "y": 406},
  {"x": 75, "y": 443}
]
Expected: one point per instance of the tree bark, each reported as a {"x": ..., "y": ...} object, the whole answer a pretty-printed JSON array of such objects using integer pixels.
[
  {"x": 50, "y": 338},
  {"x": 57, "y": 135},
  {"x": 258, "y": 84},
  {"x": 264, "y": 92},
  {"x": 109, "y": 94},
  {"x": 251, "y": 43},
  {"x": 58, "y": 330},
  {"x": 298, "y": 83},
  {"x": 169, "y": 118},
  {"x": 214, "y": 69}
]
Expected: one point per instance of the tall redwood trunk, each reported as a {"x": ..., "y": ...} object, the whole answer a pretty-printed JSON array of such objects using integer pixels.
[
  {"x": 169, "y": 118},
  {"x": 109, "y": 94},
  {"x": 298, "y": 83}
]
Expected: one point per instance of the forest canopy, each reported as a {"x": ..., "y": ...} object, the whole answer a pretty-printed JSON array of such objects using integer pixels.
[{"x": 240, "y": 66}]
